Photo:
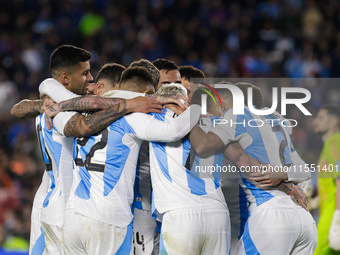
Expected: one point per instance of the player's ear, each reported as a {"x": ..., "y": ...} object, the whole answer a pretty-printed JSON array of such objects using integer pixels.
[
  {"x": 149, "y": 90},
  {"x": 64, "y": 78},
  {"x": 99, "y": 88}
]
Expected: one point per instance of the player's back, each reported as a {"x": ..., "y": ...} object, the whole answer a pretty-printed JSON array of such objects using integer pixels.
[
  {"x": 174, "y": 185},
  {"x": 276, "y": 225},
  {"x": 105, "y": 174},
  {"x": 57, "y": 153},
  {"x": 266, "y": 139}
]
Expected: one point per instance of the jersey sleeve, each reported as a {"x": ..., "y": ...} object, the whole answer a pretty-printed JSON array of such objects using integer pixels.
[
  {"x": 61, "y": 119},
  {"x": 228, "y": 128},
  {"x": 299, "y": 171},
  {"x": 148, "y": 128},
  {"x": 55, "y": 90}
]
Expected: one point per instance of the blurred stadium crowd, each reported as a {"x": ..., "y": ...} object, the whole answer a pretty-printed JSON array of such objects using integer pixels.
[{"x": 243, "y": 38}]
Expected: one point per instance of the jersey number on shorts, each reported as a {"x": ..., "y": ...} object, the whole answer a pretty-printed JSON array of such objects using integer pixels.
[{"x": 97, "y": 146}]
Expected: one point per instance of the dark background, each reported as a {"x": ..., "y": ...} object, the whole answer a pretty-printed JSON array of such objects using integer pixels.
[{"x": 244, "y": 38}]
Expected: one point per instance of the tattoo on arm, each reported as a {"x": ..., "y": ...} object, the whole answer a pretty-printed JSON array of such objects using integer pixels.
[
  {"x": 295, "y": 192},
  {"x": 27, "y": 108},
  {"x": 287, "y": 188},
  {"x": 237, "y": 154},
  {"x": 88, "y": 103},
  {"x": 79, "y": 125}
]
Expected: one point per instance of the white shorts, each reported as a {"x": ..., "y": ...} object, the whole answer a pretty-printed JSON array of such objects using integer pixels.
[
  {"x": 84, "y": 235},
  {"x": 144, "y": 232},
  {"x": 53, "y": 239},
  {"x": 195, "y": 231},
  {"x": 37, "y": 238},
  {"x": 279, "y": 227}
]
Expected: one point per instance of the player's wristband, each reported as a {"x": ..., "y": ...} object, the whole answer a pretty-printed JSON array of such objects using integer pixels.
[{"x": 334, "y": 232}]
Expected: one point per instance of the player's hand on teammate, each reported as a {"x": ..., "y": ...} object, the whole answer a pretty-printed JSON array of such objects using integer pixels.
[
  {"x": 299, "y": 197},
  {"x": 267, "y": 177},
  {"x": 50, "y": 112},
  {"x": 334, "y": 232},
  {"x": 47, "y": 102},
  {"x": 144, "y": 104},
  {"x": 175, "y": 99}
]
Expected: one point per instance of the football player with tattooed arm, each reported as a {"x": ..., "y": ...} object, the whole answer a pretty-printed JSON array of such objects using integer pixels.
[
  {"x": 71, "y": 70},
  {"x": 102, "y": 189},
  {"x": 266, "y": 232}
]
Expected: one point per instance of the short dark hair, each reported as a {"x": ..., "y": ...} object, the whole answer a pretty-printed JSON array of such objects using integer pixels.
[
  {"x": 153, "y": 70},
  {"x": 333, "y": 110},
  {"x": 188, "y": 72},
  {"x": 257, "y": 93},
  {"x": 111, "y": 72},
  {"x": 172, "y": 89},
  {"x": 67, "y": 57},
  {"x": 138, "y": 77},
  {"x": 164, "y": 64}
]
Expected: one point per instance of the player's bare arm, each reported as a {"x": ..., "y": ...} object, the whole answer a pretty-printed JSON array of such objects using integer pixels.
[
  {"x": 85, "y": 103},
  {"x": 174, "y": 99},
  {"x": 268, "y": 178},
  {"x": 32, "y": 108},
  {"x": 27, "y": 109},
  {"x": 236, "y": 153},
  {"x": 80, "y": 125},
  {"x": 204, "y": 143}
]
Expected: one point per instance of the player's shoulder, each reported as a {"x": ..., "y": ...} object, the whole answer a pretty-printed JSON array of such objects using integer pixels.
[
  {"x": 166, "y": 113},
  {"x": 50, "y": 81}
]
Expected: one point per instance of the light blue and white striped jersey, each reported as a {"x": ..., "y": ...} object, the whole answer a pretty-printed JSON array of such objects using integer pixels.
[
  {"x": 46, "y": 181},
  {"x": 208, "y": 167},
  {"x": 174, "y": 185},
  {"x": 105, "y": 172},
  {"x": 142, "y": 189},
  {"x": 103, "y": 181},
  {"x": 263, "y": 138},
  {"x": 57, "y": 155},
  {"x": 235, "y": 198},
  {"x": 60, "y": 150}
]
